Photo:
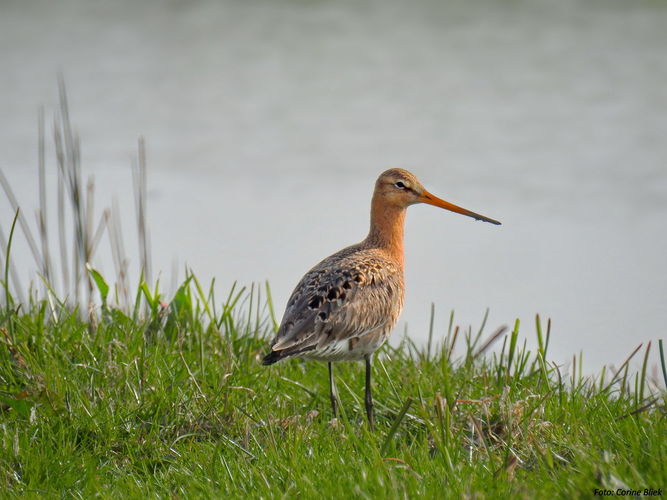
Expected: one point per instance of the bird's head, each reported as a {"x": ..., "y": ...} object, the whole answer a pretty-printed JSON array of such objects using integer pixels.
[{"x": 399, "y": 187}]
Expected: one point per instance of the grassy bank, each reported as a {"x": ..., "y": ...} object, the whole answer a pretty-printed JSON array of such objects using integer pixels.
[
  {"x": 171, "y": 400},
  {"x": 111, "y": 393}
]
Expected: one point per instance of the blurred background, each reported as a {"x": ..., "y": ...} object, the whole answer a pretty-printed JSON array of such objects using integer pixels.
[{"x": 267, "y": 123}]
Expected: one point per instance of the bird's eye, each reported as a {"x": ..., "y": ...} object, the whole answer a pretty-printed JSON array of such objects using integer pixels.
[{"x": 400, "y": 185}]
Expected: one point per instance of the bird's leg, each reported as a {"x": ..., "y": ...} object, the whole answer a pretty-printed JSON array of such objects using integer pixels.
[
  {"x": 333, "y": 394},
  {"x": 369, "y": 395}
]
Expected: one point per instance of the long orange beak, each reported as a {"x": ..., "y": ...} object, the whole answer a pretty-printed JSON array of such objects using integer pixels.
[{"x": 427, "y": 197}]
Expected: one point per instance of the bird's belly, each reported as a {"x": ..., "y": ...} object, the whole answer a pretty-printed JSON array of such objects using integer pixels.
[{"x": 350, "y": 349}]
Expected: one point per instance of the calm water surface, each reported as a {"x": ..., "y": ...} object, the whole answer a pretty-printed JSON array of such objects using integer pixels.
[{"x": 268, "y": 122}]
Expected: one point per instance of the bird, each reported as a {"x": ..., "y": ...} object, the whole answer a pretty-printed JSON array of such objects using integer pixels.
[{"x": 345, "y": 307}]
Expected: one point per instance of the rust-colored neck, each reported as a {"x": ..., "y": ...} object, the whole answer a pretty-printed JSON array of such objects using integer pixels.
[{"x": 386, "y": 230}]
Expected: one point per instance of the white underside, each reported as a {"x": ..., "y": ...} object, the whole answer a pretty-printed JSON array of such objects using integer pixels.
[{"x": 339, "y": 350}]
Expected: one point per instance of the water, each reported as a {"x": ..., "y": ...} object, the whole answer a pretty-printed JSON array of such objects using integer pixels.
[{"x": 268, "y": 122}]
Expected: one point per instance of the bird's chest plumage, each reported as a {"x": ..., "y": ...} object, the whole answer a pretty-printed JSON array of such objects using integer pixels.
[
  {"x": 344, "y": 308},
  {"x": 366, "y": 316}
]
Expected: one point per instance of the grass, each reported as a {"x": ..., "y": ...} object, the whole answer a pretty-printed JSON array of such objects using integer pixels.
[
  {"x": 109, "y": 393},
  {"x": 174, "y": 402}
]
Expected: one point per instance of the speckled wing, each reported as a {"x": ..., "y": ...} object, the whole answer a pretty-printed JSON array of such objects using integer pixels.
[{"x": 347, "y": 295}]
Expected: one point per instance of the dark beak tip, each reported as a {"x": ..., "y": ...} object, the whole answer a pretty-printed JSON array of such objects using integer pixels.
[{"x": 490, "y": 221}]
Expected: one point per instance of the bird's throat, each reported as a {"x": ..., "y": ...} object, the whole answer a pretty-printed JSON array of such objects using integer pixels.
[{"x": 386, "y": 231}]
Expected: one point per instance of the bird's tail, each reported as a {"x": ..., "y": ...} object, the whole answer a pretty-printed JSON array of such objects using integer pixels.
[
  {"x": 272, "y": 357},
  {"x": 275, "y": 356}
]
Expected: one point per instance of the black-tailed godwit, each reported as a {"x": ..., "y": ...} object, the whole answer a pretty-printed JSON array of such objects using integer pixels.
[{"x": 345, "y": 307}]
